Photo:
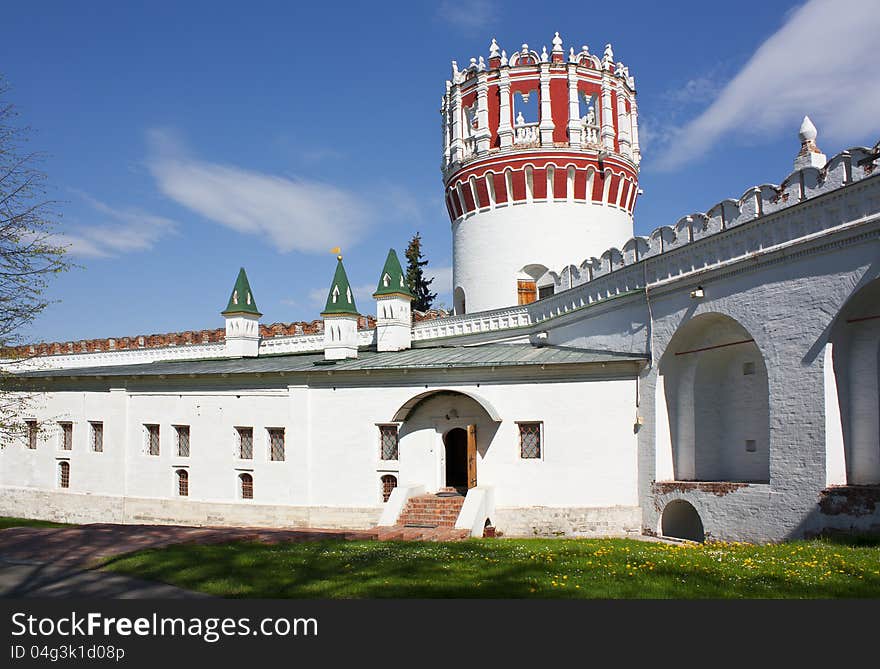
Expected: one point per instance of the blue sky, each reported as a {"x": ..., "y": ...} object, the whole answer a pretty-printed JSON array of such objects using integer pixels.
[{"x": 188, "y": 139}]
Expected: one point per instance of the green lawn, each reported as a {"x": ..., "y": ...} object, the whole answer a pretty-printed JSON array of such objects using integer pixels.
[
  {"x": 7, "y": 521},
  {"x": 618, "y": 568}
]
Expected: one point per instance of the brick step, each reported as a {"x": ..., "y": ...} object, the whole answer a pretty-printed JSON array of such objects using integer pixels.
[
  {"x": 431, "y": 510},
  {"x": 401, "y": 533}
]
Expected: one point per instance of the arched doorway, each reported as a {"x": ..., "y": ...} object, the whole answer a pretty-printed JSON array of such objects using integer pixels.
[
  {"x": 456, "y": 442},
  {"x": 681, "y": 521}
]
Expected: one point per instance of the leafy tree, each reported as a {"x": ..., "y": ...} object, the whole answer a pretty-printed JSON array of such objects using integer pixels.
[
  {"x": 415, "y": 277},
  {"x": 30, "y": 254}
]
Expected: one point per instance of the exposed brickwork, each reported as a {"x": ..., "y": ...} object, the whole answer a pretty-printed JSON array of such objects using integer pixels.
[
  {"x": 431, "y": 511},
  {"x": 187, "y": 338},
  {"x": 719, "y": 488},
  {"x": 429, "y": 315},
  {"x": 852, "y": 500}
]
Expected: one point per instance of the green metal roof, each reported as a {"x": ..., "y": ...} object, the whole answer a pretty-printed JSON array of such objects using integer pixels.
[
  {"x": 242, "y": 299},
  {"x": 340, "y": 300},
  {"x": 392, "y": 280},
  {"x": 443, "y": 357}
]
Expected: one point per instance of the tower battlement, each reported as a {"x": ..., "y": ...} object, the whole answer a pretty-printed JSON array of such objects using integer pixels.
[{"x": 553, "y": 131}]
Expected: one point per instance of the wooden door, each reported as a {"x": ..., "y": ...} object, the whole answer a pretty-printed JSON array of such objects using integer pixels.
[
  {"x": 472, "y": 456},
  {"x": 526, "y": 291}
]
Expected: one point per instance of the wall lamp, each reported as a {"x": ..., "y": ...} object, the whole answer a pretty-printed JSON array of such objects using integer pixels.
[{"x": 698, "y": 293}]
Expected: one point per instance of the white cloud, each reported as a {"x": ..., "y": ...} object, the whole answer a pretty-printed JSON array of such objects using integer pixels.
[
  {"x": 292, "y": 214},
  {"x": 468, "y": 16},
  {"x": 442, "y": 279},
  {"x": 129, "y": 230},
  {"x": 820, "y": 62}
]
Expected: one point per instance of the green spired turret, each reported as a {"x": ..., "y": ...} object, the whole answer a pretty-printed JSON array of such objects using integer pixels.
[
  {"x": 340, "y": 300},
  {"x": 242, "y": 299},
  {"x": 392, "y": 280}
]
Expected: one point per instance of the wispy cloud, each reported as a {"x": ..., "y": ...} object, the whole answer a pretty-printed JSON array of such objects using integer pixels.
[
  {"x": 817, "y": 63},
  {"x": 442, "y": 279},
  {"x": 468, "y": 16},
  {"x": 125, "y": 230},
  {"x": 292, "y": 214}
]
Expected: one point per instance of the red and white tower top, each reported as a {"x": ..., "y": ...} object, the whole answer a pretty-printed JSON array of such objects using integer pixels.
[{"x": 537, "y": 129}]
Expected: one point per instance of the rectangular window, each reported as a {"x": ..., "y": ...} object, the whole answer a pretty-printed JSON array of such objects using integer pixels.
[
  {"x": 527, "y": 291},
  {"x": 66, "y": 436},
  {"x": 32, "y": 431},
  {"x": 245, "y": 443},
  {"x": 64, "y": 474},
  {"x": 530, "y": 440},
  {"x": 152, "y": 439},
  {"x": 97, "y": 437},
  {"x": 751, "y": 446},
  {"x": 182, "y": 440},
  {"x": 276, "y": 443},
  {"x": 546, "y": 291},
  {"x": 388, "y": 442}
]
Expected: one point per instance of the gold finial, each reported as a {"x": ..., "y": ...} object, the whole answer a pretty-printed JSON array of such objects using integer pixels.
[{"x": 339, "y": 257}]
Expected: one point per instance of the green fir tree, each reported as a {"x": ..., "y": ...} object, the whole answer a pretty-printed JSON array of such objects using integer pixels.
[{"x": 423, "y": 298}]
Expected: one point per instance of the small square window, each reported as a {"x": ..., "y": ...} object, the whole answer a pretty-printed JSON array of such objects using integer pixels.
[
  {"x": 751, "y": 445},
  {"x": 97, "y": 436},
  {"x": 388, "y": 441},
  {"x": 182, "y": 432},
  {"x": 276, "y": 443},
  {"x": 152, "y": 435},
  {"x": 245, "y": 442},
  {"x": 748, "y": 368},
  {"x": 530, "y": 440},
  {"x": 66, "y": 436}
]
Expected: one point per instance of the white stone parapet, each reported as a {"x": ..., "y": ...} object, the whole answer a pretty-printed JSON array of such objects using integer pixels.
[{"x": 469, "y": 324}]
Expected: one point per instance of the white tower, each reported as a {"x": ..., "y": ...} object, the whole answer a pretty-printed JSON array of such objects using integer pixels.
[
  {"x": 540, "y": 165},
  {"x": 340, "y": 318},
  {"x": 242, "y": 320},
  {"x": 393, "y": 308}
]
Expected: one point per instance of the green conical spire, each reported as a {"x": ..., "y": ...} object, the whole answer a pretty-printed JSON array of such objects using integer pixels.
[
  {"x": 340, "y": 300},
  {"x": 392, "y": 280},
  {"x": 242, "y": 299}
]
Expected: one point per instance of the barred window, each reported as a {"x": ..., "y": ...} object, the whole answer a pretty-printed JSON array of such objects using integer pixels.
[
  {"x": 64, "y": 474},
  {"x": 530, "y": 440},
  {"x": 152, "y": 439},
  {"x": 276, "y": 443},
  {"x": 97, "y": 437},
  {"x": 66, "y": 436},
  {"x": 389, "y": 483},
  {"x": 182, "y": 440},
  {"x": 245, "y": 443},
  {"x": 32, "y": 431},
  {"x": 246, "y": 483},
  {"x": 388, "y": 442},
  {"x": 183, "y": 483}
]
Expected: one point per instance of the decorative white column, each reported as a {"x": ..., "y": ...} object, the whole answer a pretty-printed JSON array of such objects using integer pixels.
[
  {"x": 607, "y": 120},
  {"x": 574, "y": 120},
  {"x": 634, "y": 116},
  {"x": 505, "y": 130},
  {"x": 546, "y": 126},
  {"x": 623, "y": 136},
  {"x": 482, "y": 136},
  {"x": 457, "y": 150}
]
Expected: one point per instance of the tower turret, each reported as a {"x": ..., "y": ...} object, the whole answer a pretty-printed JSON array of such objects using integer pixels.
[
  {"x": 242, "y": 320},
  {"x": 340, "y": 318},
  {"x": 393, "y": 312},
  {"x": 540, "y": 166}
]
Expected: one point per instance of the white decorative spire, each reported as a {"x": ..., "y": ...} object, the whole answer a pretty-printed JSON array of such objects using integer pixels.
[
  {"x": 609, "y": 55},
  {"x": 503, "y": 57},
  {"x": 493, "y": 49},
  {"x": 571, "y": 57},
  {"x": 544, "y": 57},
  {"x": 481, "y": 64},
  {"x": 809, "y": 155},
  {"x": 557, "y": 44}
]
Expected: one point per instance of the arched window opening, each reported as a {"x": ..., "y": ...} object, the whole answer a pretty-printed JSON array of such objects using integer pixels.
[
  {"x": 681, "y": 521},
  {"x": 389, "y": 483},
  {"x": 182, "y": 483},
  {"x": 64, "y": 474},
  {"x": 246, "y": 486}
]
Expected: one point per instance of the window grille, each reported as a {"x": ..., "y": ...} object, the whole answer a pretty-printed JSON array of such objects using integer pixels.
[
  {"x": 97, "y": 437},
  {"x": 247, "y": 486},
  {"x": 64, "y": 474},
  {"x": 276, "y": 443},
  {"x": 530, "y": 440},
  {"x": 32, "y": 433},
  {"x": 152, "y": 439},
  {"x": 388, "y": 441},
  {"x": 182, "y": 440},
  {"x": 245, "y": 443},
  {"x": 183, "y": 483},
  {"x": 389, "y": 483},
  {"x": 66, "y": 436}
]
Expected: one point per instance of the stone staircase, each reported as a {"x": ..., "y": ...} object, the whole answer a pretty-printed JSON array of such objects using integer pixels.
[{"x": 428, "y": 518}]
